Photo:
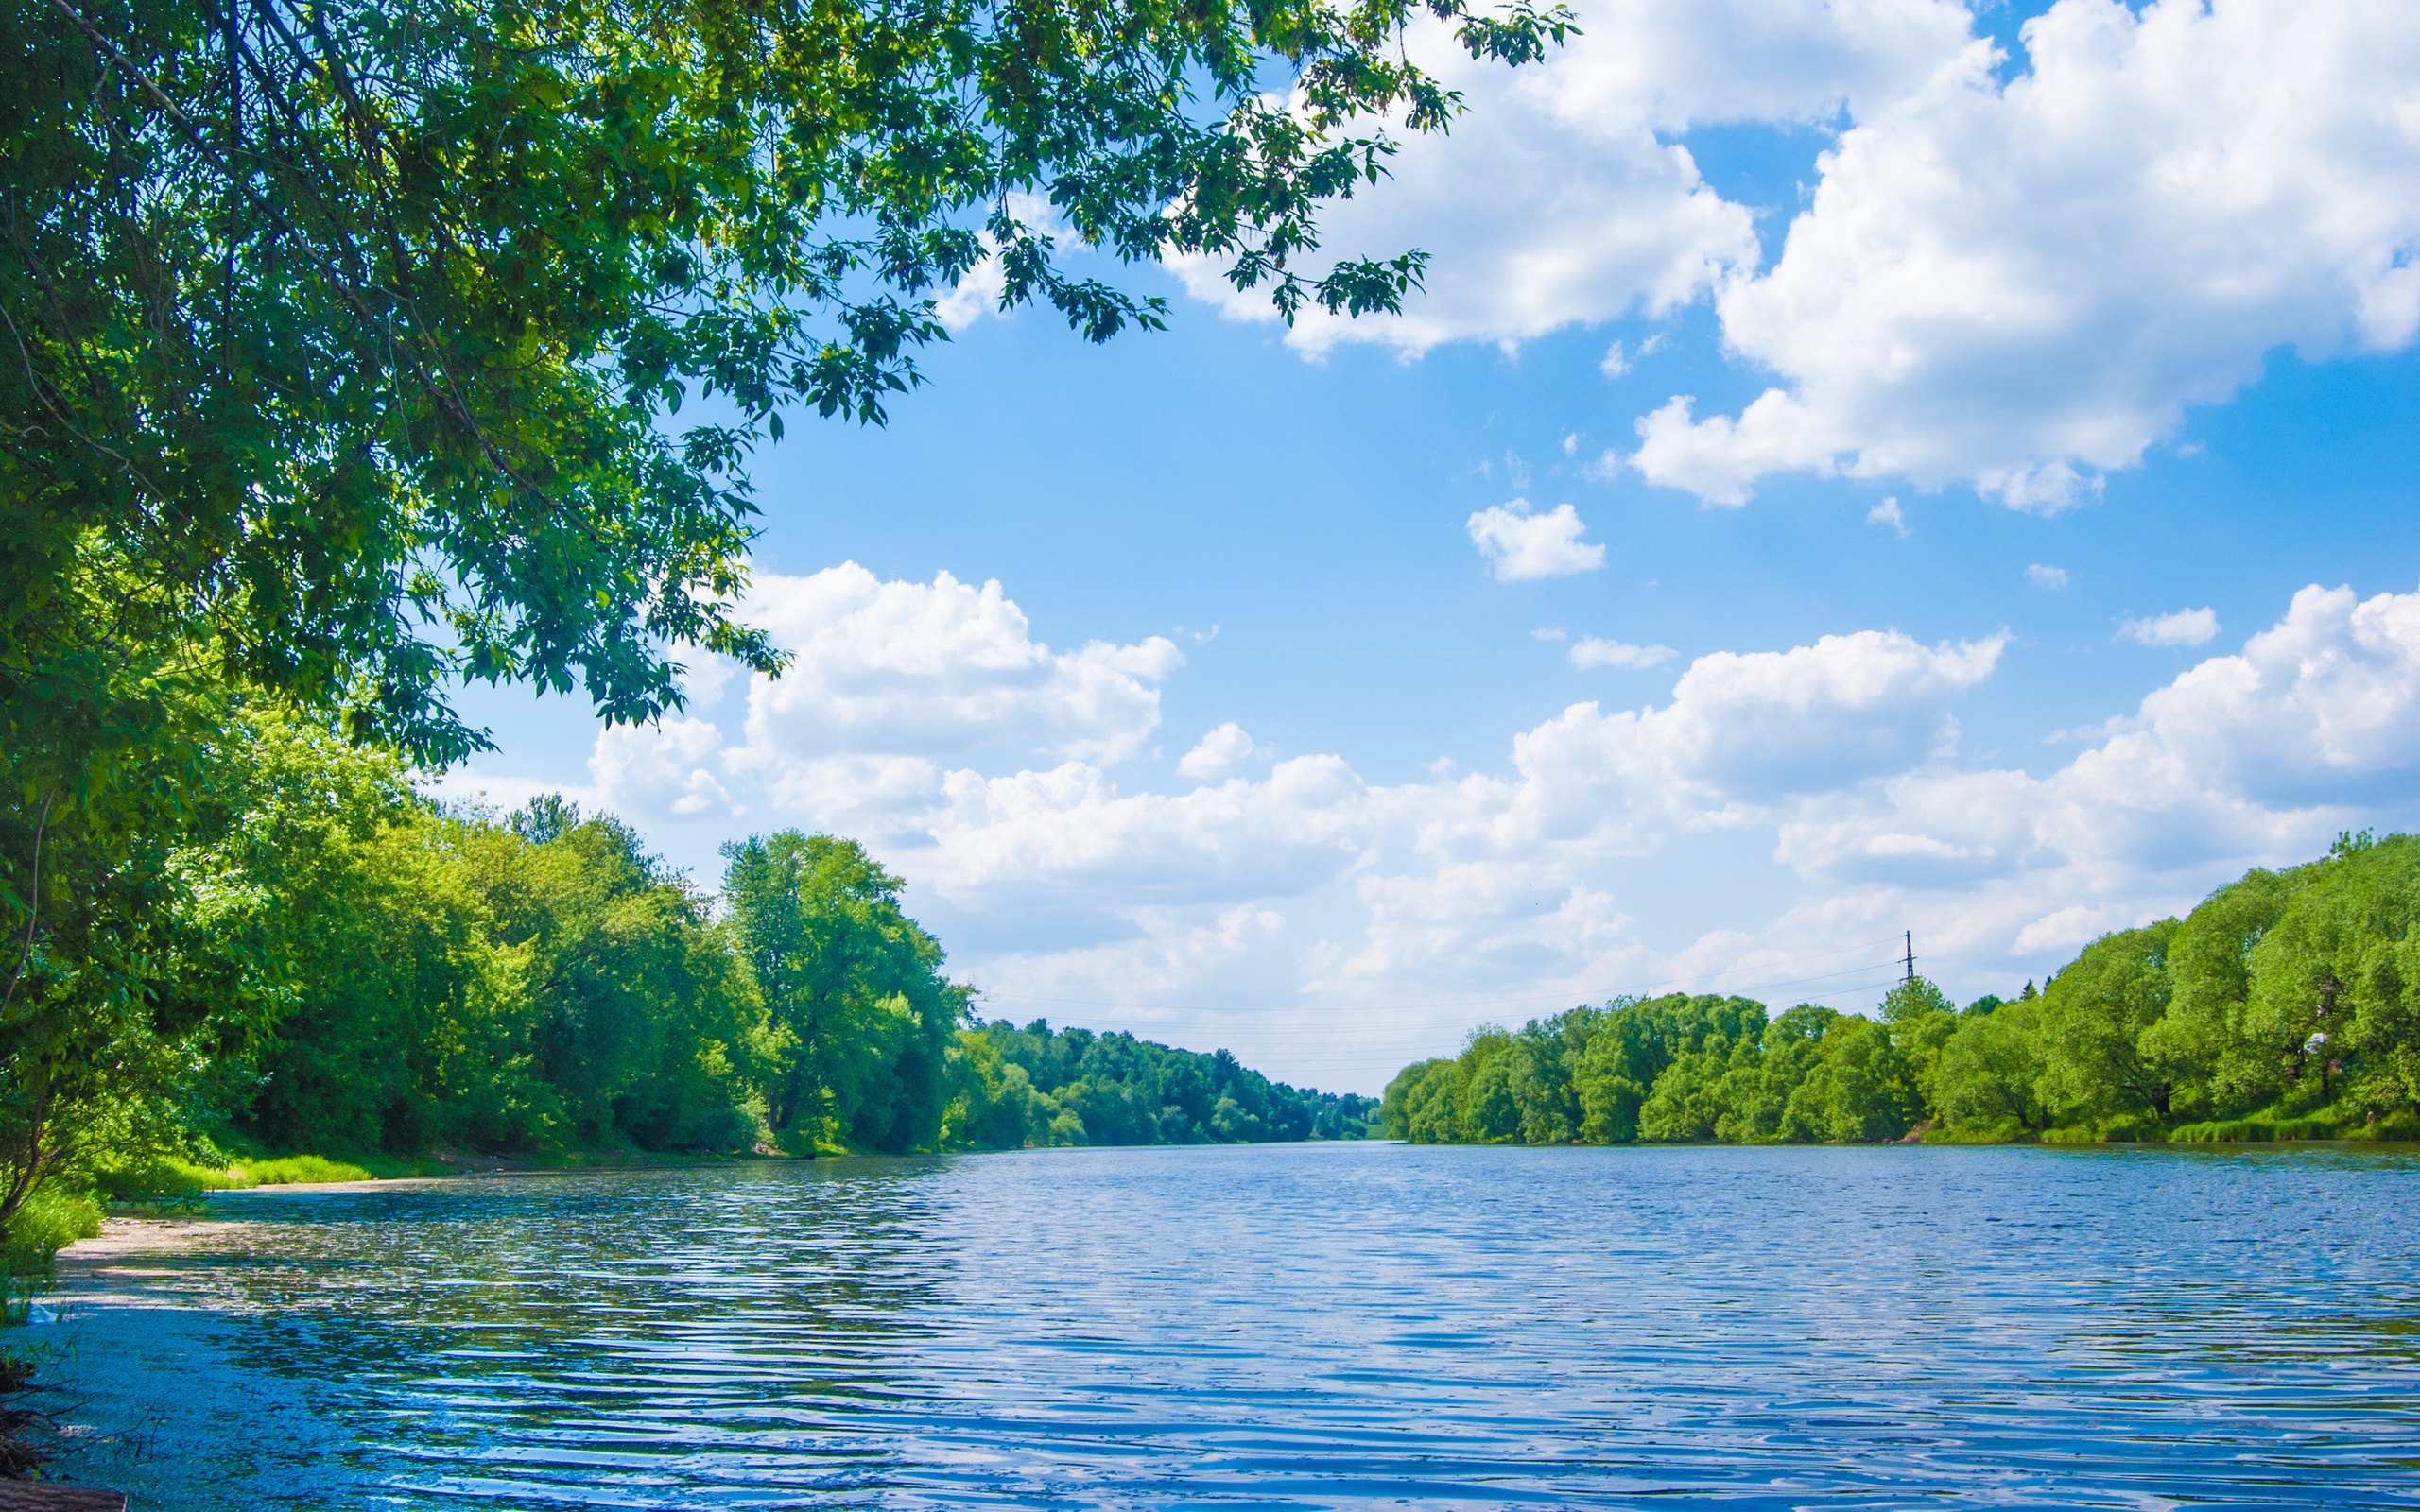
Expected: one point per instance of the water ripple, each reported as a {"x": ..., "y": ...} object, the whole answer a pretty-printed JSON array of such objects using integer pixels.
[{"x": 1332, "y": 1327}]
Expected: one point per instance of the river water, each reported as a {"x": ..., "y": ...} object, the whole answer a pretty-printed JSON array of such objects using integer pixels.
[{"x": 1282, "y": 1326}]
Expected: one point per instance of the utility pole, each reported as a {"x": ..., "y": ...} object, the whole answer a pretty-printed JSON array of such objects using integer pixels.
[{"x": 1910, "y": 935}]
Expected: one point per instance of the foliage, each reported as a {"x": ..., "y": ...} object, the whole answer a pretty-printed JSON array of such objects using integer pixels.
[
  {"x": 1115, "y": 1089},
  {"x": 354, "y": 334},
  {"x": 2287, "y": 1006},
  {"x": 345, "y": 351},
  {"x": 537, "y": 984},
  {"x": 52, "y": 1218},
  {"x": 860, "y": 1016}
]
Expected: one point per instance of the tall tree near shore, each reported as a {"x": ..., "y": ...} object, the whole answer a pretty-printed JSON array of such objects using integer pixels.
[{"x": 852, "y": 992}]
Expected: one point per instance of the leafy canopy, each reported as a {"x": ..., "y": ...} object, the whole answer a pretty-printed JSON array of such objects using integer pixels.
[{"x": 353, "y": 336}]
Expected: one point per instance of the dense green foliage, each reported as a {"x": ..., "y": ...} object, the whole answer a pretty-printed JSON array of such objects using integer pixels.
[
  {"x": 2286, "y": 1005},
  {"x": 1113, "y": 1089},
  {"x": 536, "y": 985},
  {"x": 352, "y": 337}
]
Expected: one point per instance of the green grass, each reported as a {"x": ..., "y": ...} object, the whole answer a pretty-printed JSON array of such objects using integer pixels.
[
  {"x": 181, "y": 1183},
  {"x": 296, "y": 1169},
  {"x": 2260, "y": 1129},
  {"x": 2004, "y": 1132}
]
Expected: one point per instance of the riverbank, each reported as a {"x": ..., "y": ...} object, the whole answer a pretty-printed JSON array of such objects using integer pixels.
[{"x": 136, "y": 1362}]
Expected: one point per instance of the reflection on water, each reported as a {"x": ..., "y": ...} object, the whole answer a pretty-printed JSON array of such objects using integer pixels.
[{"x": 1324, "y": 1326}]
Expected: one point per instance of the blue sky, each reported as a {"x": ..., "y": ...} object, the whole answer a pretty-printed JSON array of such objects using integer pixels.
[{"x": 1999, "y": 372}]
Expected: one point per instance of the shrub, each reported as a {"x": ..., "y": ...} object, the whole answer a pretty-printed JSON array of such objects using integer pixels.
[
  {"x": 297, "y": 1169},
  {"x": 51, "y": 1219}
]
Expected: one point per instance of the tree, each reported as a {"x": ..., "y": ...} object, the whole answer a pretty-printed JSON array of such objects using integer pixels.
[
  {"x": 2208, "y": 1026},
  {"x": 1859, "y": 1091},
  {"x": 852, "y": 989},
  {"x": 2100, "y": 1059},
  {"x": 2333, "y": 998},
  {"x": 1989, "y": 1070},
  {"x": 353, "y": 335},
  {"x": 1921, "y": 1018},
  {"x": 347, "y": 348}
]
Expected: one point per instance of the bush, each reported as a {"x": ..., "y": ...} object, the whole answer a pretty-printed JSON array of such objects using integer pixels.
[
  {"x": 2260, "y": 1129},
  {"x": 51, "y": 1219},
  {"x": 296, "y": 1169},
  {"x": 2400, "y": 1125},
  {"x": 165, "y": 1182},
  {"x": 1999, "y": 1131}
]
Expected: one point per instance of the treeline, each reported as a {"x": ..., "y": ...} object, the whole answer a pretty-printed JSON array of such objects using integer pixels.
[
  {"x": 2286, "y": 1005},
  {"x": 367, "y": 974},
  {"x": 1113, "y": 1089}
]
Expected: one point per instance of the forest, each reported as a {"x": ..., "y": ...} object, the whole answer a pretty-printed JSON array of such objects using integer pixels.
[
  {"x": 378, "y": 978},
  {"x": 2286, "y": 1005}
]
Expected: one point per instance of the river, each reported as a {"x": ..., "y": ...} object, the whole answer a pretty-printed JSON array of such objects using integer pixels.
[{"x": 1280, "y": 1327}]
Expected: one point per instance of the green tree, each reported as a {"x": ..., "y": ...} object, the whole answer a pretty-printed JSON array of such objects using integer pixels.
[
  {"x": 852, "y": 988},
  {"x": 2334, "y": 999},
  {"x": 2100, "y": 1059},
  {"x": 1920, "y": 1019},
  {"x": 2228, "y": 1065},
  {"x": 1857, "y": 1091},
  {"x": 357, "y": 331},
  {"x": 1990, "y": 1071}
]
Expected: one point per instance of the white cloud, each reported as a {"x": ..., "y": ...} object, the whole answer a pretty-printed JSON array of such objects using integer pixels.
[
  {"x": 2243, "y": 760},
  {"x": 901, "y": 668},
  {"x": 1557, "y": 199},
  {"x": 1447, "y": 890},
  {"x": 2052, "y": 579},
  {"x": 1550, "y": 635},
  {"x": 2187, "y": 627},
  {"x": 1887, "y": 513},
  {"x": 1521, "y": 882},
  {"x": 1519, "y": 546},
  {"x": 1589, "y": 651},
  {"x": 2024, "y": 287},
  {"x": 661, "y": 768},
  {"x": 1220, "y": 752},
  {"x": 1069, "y": 834},
  {"x": 1618, "y": 362}
]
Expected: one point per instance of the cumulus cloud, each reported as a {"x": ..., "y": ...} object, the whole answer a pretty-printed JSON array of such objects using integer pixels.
[
  {"x": 1221, "y": 751},
  {"x": 935, "y": 669},
  {"x": 2187, "y": 627},
  {"x": 2015, "y": 281},
  {"x": 1842, "y": 750},
  {"x": 1590, "y": 651},
  {"x": 2052, "y": 579},
  {"x": 663, "y": 768},
  {"x": 1519, "y": 546},
  {"x": 2252, "y": 759},
  {"x": 1310, "y": 883},
  {"x": 2024, "y": 285},
  {"x": 1559, "y": 199},
  {"x": 1887, "y": 513},
  {"x": 1070, "y": 834}
]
